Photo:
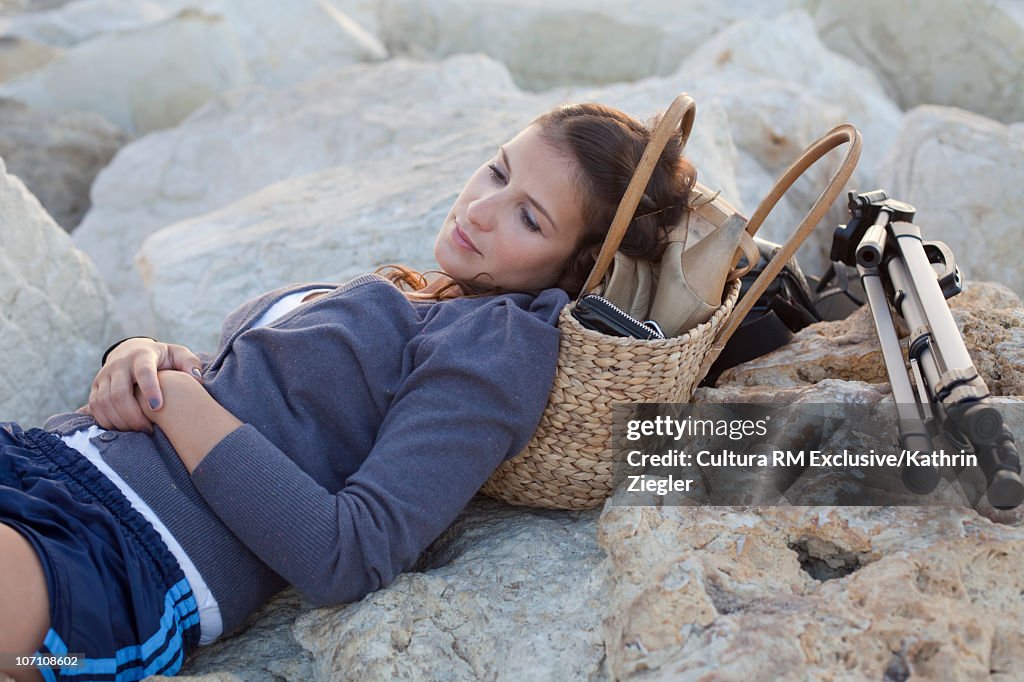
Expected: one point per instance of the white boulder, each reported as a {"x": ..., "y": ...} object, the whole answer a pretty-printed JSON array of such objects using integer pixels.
[
  {"x": 153, "y": 76},
  {"x": 21, "y": 55},
  {"x": 963, "y": 173},
  {"x": 554, "y": 42},
  {"x": 57, "y": 317},
  {"x": 82, "y": 20},
  {"x": 963, "y": 53},
  {"x": 141, "y": 80},
  {"x": 75, "y": 22},
  {"x": 783, "y": 89}
]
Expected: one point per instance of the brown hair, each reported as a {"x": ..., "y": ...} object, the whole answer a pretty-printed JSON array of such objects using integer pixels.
[{"x": 605, "y": 145}]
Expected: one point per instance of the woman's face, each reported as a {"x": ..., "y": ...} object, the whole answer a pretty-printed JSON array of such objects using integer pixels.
[{"x": 517, "y": 220}]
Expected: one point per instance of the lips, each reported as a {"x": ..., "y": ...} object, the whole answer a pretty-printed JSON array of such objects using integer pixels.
[{"x": 463, "y": 241}]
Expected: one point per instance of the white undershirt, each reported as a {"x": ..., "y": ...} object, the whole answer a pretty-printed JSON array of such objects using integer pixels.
[{"x": 210, "y": 624}]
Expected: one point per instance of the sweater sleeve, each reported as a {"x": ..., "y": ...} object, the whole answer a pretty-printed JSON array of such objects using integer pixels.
[{"x": 473, "y": 397}]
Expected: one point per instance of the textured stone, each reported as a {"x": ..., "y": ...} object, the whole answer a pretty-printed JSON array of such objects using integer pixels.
[
  {"x": 55, "y": 314},
  {"x": 961, "y": 53},
  {"x": 21, "y": 55},
  {"x": 811, "y": 593},
  {"x": 783, "y": 89},
  {"x": 141, "y": 80},
  {"x": 57, "y": 156},
  {"x": 78, "y": 21},
  {"x": 962, "y": 173},
  {"x": 554, "y": 42},
  {"x": 72, "y": 23},
  {"x": 151, "y": 77},
  {"x": 480, "y": 605}
]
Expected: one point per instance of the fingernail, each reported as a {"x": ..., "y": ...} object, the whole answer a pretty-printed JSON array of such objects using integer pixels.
[
  {"x": 154, "y": 403},
  {"x": 197, "y": 373}
]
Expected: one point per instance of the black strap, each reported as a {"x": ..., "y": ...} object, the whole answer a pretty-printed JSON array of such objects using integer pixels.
[
  {"x": 757, "y": 336},
  {"x": 114, "y": 345}
]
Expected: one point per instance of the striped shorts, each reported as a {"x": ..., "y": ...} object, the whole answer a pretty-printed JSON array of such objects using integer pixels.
[{"x": 118, "y": 598}]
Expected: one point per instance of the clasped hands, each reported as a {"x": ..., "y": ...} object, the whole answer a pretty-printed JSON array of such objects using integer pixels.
[{"x": 126, "y": 394}]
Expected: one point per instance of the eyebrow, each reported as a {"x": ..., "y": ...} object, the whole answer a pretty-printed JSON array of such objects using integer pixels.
[{"x": 533, "y": 201}]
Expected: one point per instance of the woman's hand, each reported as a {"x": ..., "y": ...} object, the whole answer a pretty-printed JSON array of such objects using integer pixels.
[
  {"x": 135, "y": 362},
  {"x": 192, "y": 420}
]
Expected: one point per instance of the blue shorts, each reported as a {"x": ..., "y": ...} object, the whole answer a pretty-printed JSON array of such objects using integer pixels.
[{"x": 117, "y": 595}]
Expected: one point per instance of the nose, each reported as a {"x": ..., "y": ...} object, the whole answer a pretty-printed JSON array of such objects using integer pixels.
[{"x": 481, "y": 213}]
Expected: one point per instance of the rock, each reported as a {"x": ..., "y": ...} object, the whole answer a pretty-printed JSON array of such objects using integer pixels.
[
  {"x": 21, "y": 55},
  {"x": 153, "y": 76},
  {"x": 783, "y": 89},
  {"x": 560, "y": 42},
  {"x": 141, "y": 80},
  {"x": 988, "y": 315},
  {"x": 504, "y": 593},
  {"x": 57, "y": 156},
  {"x": 83, "y": 20},
  {"x": 810, "y": 593},
  {"x": 266, "y": 650},
  {"x": 509, "y": 593},
  {"x": 745, "y": 65},
  {"x": 961, "y": 53},
  {"x": 57, "y": 316},
  {"x": 961, "y": 172},
  {"x": 79, "y": 21},
  {"x": 249, "y": 139}
]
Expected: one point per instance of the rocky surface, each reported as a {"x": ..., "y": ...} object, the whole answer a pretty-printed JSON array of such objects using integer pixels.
[
  {"x": 962, "y": 53},
  {"x": 21, "y": 55},
  {"x": 151, "y": 76},
  {"x": 950, "y": 165},
  {"x": 811, "y": 593},
  {"x": 479, "y": 606},
  {"x": 57, "y": 156},
  {"x": 549, "y": 43},
  {"x": 56, "y": 316}
]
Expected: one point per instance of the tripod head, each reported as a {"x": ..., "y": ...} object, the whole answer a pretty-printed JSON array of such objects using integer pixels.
[
  {"x": 862, "y": 241},
  {"x": 865, "y": 211}
]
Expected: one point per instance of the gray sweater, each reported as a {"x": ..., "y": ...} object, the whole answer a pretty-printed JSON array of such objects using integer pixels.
[{"x": 369, "y": 423}]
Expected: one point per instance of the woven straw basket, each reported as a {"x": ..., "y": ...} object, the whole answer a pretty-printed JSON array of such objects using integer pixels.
[{"x": 568, "y": 464}]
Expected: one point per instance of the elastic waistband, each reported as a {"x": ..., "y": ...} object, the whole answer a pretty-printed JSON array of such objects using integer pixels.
[{"x": 84, "y": 478}]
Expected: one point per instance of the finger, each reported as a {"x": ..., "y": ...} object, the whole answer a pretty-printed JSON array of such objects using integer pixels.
[
  {"x": 127, "y": 415},
  {"x": 97, "y": 405},
  {"x": 96, "y": 408},
  {"x": 184, "y": 360},
  {"x": 146, "y": 377},
  {"x": 84, "y": 409}
]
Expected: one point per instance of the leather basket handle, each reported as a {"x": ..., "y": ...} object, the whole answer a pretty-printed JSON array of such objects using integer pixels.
[
  {"x": 844, "y": 133},
  {"x": 679, "y": 116}
]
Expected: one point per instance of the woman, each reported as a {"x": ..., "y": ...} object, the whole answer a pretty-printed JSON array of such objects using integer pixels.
[{"x": 337, "y": 431}]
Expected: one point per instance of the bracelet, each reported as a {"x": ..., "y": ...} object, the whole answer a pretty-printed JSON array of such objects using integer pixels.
[{"x": 103, "y": 360}]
